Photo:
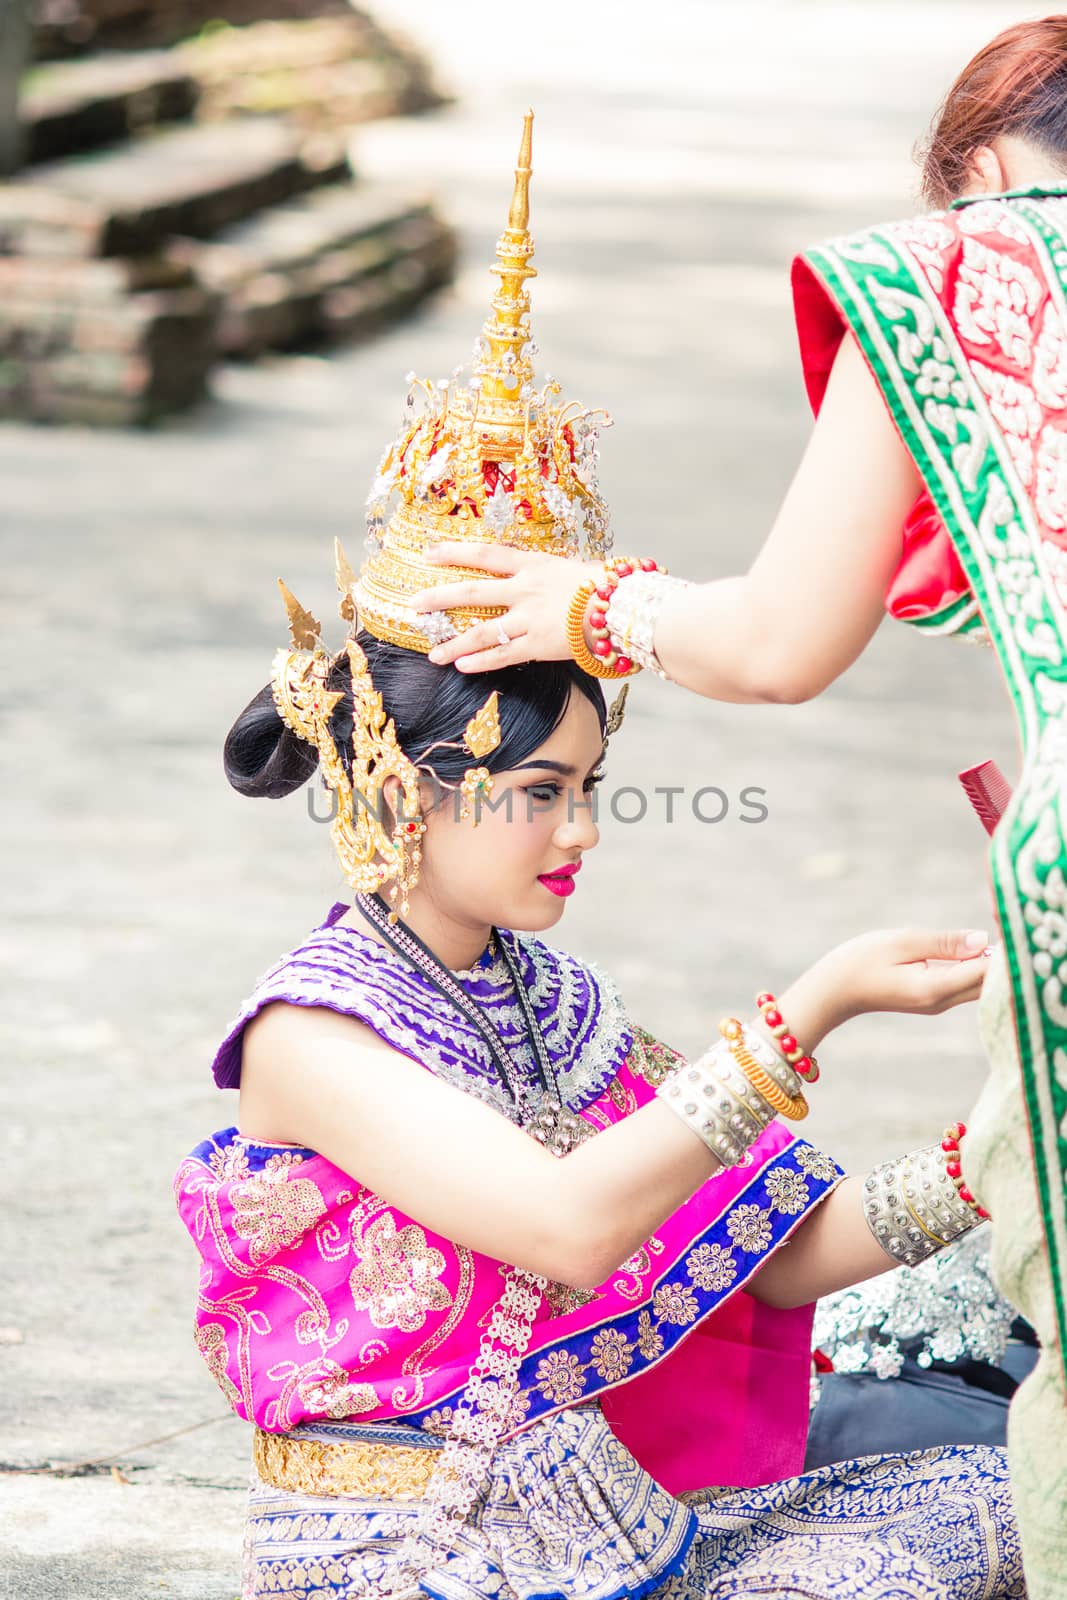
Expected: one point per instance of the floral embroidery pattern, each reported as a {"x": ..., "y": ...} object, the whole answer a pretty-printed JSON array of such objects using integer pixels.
[
  {"x": 652, "y": 1060},
  {"x": 816, "y": 1163},
  {"x": 211, "y": 1342},
  {"x": 1016, "y": 412},
  {"x": 1050, "y": 496},
  {"x": 439, "y": 1420},
  {"x": 560, "y": 1377},
  {"x": 996, "y": 297},
  {"x": 788, "y": 1192},
  {"x": 1050, "y": 363},
  {"x": 750, "y": 1228},
  {"x": 517, "y": 1409},
  {"x": 612, "y": 1356},
  {"x": 649, "y": 1339},
  {"x": 274, "y": 1211},
  {"x": 401, "y": 1276},
  {"x": 1007, "y": 528},
  {"x": 335, "y": 1395},
  {"x": 398, "y": 1277},
  {"x": 230, "y": 1162},
  {"x": 673, "y": 1302},
  {"x": 712, "y": 1267}
]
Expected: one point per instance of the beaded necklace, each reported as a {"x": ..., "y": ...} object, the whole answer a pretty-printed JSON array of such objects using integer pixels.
[{"x": 545, "y": 1117}]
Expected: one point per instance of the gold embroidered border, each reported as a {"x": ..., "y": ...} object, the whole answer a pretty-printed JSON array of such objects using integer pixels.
[{"x": 352, "y": 1470}]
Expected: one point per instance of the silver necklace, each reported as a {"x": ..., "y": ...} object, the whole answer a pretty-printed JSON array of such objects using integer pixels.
[{"x": 545, "y": 1117}]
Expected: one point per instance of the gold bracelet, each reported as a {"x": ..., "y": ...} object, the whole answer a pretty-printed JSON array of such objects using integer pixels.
[
  {"x": 795, "y": 1107},
  {"x": 576, "y": 635}
]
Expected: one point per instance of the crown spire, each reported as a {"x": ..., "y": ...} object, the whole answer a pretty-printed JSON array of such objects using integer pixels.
[
  {"x": 506, "y": 364},
  {"x": 519, "y": 215}
]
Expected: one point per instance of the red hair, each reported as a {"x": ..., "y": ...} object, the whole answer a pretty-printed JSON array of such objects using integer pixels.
[{"x": 1016, "y": 84}]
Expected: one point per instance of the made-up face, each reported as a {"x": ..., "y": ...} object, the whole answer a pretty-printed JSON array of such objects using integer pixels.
[{"x": 519, "y": 866}]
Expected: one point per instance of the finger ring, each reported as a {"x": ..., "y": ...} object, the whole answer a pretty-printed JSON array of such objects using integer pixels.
[{"x": 502, "y": 636}]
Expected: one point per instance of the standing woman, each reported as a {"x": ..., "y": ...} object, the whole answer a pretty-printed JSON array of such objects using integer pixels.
[{"x": 934, "y": 486}]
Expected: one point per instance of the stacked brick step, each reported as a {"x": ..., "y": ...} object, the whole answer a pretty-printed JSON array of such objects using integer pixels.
[
  {"x": 97, "y": 322},
  {"x": 333, "y": 264},
  {"x": 126, "y": 273},
  {"x": 77, "y": 106},
  {"x": 107, "y": 342}
]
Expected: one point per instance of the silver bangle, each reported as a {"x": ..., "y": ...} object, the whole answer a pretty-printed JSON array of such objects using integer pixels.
[
  {"x": 632, "y": 613},
  {"x": 717, "y": 1102},
  {"x": 912, "y": 1206}
]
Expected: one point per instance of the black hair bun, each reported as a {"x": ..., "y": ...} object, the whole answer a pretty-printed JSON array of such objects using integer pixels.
[{"x": 262, "y": 756}]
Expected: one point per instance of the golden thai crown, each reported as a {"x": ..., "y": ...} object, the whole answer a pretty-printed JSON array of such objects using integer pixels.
[{"x": 489, "y": 457}]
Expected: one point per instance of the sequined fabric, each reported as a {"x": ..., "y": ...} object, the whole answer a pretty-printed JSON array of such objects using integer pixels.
[
  {"x": 568, "y": 1512},
  {"x": 343, "y": 969},
  {"x": 944, "y": 1310}
]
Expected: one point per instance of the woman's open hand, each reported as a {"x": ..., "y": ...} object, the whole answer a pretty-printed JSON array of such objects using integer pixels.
[
  {"x": 535, "y": 589},
  {"x": 893, "y": 969}
]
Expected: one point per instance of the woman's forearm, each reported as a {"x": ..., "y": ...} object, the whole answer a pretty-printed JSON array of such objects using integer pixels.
[
  {"x": 832, "y": 1249},
  {"x": 614, "y": 1191},
  {"x": 713, "y": 639},
  {"x": 753, "y": 640}
]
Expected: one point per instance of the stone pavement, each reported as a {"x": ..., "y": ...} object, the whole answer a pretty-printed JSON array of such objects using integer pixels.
[{"x": 676, "y": 173}]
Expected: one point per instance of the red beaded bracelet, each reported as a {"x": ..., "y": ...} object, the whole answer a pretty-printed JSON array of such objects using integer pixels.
[
  {"x": 950, "y": 1144},
  {"x": 803, "y": 1065},
  {"x": 615, "y": 568}
]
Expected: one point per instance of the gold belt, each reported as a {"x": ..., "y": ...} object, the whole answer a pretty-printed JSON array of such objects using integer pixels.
[{"x": 352, "y": 1469}]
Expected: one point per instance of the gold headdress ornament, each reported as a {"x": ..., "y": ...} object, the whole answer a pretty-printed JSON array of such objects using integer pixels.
[
  {"x": 490, "y": 459},
  {"x": 371, "y": 848}
]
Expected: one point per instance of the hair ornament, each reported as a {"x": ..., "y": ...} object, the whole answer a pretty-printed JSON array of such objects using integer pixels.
[{"x": 616, "y": 712}]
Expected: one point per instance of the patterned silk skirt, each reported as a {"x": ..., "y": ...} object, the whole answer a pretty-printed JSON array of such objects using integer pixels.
[{"x": 567, "y": 1512}]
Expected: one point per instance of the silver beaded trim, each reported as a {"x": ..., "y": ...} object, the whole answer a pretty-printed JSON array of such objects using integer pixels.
[
  {"x": 912, "y": 1206},
  {"x": 632, "y": 613},
  {"x": 716, "y": 1101}
]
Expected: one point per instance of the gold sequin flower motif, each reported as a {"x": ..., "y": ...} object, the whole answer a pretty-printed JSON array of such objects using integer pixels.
[
  {"x": 649, "y": 1341},
  {"x": 750, "y": 1228},
  {"x": 211, "y": 1342},
  {"x": 673, "y": 1302},
  {"x": 333, "y": 1394},
  {"x": 711, "y": 1267},
  {"x": 560, "y": 1377},
  {"x": 816, "y": 1163},
  {"x": 611, "y": 1355},
  {"x": 274, "y": 1211},
  {"x": 398, "y": 1276},
  {"x": 788, "y": 1192}
]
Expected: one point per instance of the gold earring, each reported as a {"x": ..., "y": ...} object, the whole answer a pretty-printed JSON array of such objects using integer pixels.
[{"x": 407, "y": 850}]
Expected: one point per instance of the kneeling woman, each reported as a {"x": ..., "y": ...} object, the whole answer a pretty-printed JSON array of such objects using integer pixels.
[{"x": 508, "y": 1288}]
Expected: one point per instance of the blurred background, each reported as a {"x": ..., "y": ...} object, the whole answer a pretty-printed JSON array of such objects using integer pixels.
[{"x": 320, "y": 207}]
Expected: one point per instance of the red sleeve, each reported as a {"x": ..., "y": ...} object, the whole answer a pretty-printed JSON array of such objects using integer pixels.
[{"x": 929, "y": 577}]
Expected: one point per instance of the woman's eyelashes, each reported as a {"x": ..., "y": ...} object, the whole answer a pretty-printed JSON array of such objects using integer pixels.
[{"x": 544, "y": 793}]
